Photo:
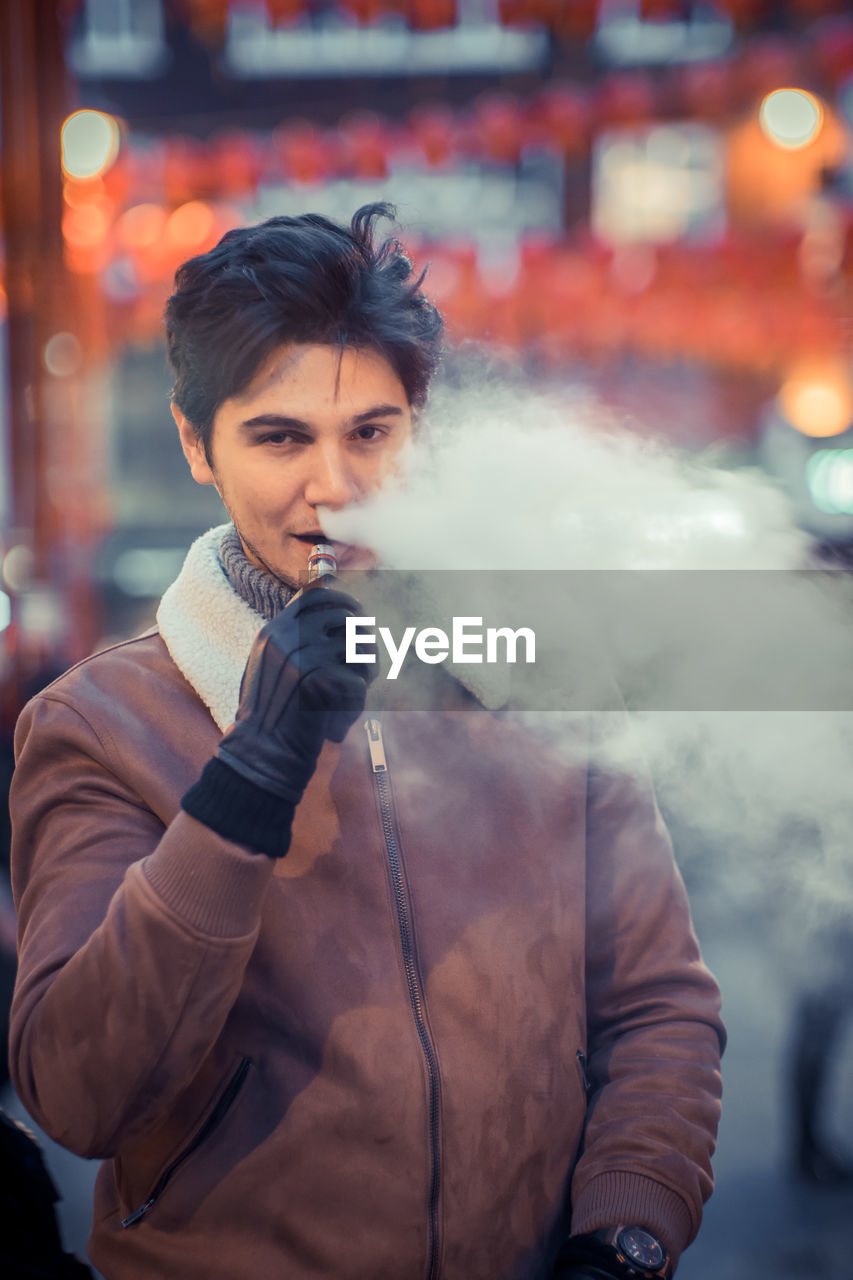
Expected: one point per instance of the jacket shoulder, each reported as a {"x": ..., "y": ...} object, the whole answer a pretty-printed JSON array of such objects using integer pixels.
[
  {"x": 119, "y": 668},
  {"x": 131, "y": 683},
  {"x": 146, "y": 652}
]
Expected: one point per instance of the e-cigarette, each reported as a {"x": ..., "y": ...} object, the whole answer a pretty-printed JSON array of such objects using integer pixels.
[{"x": 322, "y": 561}]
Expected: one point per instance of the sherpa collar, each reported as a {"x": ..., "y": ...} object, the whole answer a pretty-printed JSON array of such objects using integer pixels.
[
  {"x": 207, "y": 628},
  {"x": 209, "y": 631}
]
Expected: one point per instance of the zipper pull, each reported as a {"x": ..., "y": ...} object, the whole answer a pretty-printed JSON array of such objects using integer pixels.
[
  {"x": 137, "y": 1214},
  {"x": 582, "y": 1063},
  {"x": 378, "y": 762}
]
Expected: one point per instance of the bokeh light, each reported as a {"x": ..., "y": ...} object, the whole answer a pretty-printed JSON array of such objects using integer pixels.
[
  {"x": 85, "y": 227},
  {"x": 77, "y": 192},
  {"x": 63, "y": 355},
  {"x": 792, "y": 118},
  {"x": 141, "y": 226},
  {"x": 829, "y": 476},
  {"x": 818, "y": 402},
  {"x": 90, "y": 143},
  {"x": 191, "y": 224},
  {"x": 18, "y": 566}
]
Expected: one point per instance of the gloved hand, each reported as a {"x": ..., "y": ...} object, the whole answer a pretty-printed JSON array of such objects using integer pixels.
[
  {"x": 296, "y": 692},
  {"x": 580, "y": 1272},
  {"x": 583, "y": 1273},
  {"x": 584, "y": 1257}
]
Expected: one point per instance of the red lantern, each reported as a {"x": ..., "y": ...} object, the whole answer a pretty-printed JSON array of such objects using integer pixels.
[
  {"x": 562, "y": 115},
  {"x": 811, "y": 9},
  {"x": 575, "y": 19},
  {"x": 665, "y": 10},
  {"x": 533, "y": 285},
  {"x": 705, "y": 90},
  {"x": 237, "y": 161},
  {"x": 286, "y": 12},
  {"x": 555, "y": 14},
  {"x": 745, "y": 13},
  {"x": 189, "y": 170},
  {"x": 365, "y": 12},
  {"x": 517, "y": 12},
  {"x": 303, "y": 153},
  {"x": 766, "y": 64},
  {"x": 363, "y": 135},
  {"x": 465, "y": 306},
  {"x": 499, "y": 121},
  {"x": 208, "y": 18},
  {"x": 428, "y": 15},
  {"x": 832, "y": 50},
  {"x": 625, "y": 99},
  {"x": 432, "y": 126}
]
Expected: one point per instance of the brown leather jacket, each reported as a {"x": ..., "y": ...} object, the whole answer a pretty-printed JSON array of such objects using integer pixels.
[{"x": 468, "y": 1001}]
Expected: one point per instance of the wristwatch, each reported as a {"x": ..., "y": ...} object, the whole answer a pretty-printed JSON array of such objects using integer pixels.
[{"x": 638, "y": 1252}]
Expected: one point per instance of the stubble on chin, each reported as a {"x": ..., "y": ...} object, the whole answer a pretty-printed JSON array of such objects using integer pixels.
[{"x": 253, "y": 554}]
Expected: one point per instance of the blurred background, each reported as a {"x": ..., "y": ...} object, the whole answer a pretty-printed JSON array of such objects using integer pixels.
[{"x": 649, "y": 198}]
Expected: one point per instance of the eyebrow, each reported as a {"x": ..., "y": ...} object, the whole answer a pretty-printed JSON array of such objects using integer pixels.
[{"x": 280, "y": 420}]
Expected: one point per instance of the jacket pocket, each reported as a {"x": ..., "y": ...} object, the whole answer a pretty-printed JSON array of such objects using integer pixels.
[{"x": 217, "y": 1115}]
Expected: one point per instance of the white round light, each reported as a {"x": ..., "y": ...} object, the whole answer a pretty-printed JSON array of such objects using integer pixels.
[
  {"x": 90, "y": 143},
  {"x": 790, "y": 117}
]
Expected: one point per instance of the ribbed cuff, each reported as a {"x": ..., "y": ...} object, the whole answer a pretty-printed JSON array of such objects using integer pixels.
[
  {"x": 211, "y": 884},
  {"x": 239, "y": 810},
  {"x": 611, "y": 1199}
]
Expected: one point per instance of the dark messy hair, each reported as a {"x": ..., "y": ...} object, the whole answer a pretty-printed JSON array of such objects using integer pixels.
[{"x": 295, "y": 280}]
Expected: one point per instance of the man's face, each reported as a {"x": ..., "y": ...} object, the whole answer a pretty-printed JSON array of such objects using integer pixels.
[{"x": 314, "y": 429}]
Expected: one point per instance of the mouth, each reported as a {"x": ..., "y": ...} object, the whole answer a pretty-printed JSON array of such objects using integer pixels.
[{"x": 342, "y": 550}]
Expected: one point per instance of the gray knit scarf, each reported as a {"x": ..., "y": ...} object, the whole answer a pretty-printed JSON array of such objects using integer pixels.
[{"x": 261, "y": 591}]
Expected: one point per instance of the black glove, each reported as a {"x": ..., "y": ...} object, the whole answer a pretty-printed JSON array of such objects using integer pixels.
[
  {"x": 297, "y": 691},
  {"x": 582, "y": 1272},
  {"x": 587, "y": 1258}
]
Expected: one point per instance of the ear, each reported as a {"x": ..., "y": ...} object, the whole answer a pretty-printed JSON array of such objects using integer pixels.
[{"x": 193, "y": 448}]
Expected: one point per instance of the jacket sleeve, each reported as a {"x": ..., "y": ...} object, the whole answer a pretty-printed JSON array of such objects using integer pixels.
[
  {"x": 133, "y": 938},
  {"x": 654, "y": 1032}
]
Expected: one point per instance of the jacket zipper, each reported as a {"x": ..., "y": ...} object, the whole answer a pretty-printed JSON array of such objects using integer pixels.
[
  {"x": 587, "y": 1087},
  {"x": 215, "y": 1118},
  {"x": 379, "y": 766}
]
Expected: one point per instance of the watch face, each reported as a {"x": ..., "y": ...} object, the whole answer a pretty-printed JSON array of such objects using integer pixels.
[{"x": 641, "y": 1248}]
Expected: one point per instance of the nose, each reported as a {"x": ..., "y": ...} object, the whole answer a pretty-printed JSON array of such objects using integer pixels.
[{"x": 330, "y": 482}]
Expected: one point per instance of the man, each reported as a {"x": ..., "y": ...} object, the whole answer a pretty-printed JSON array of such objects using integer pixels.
[{"x": 380, "y": 996}]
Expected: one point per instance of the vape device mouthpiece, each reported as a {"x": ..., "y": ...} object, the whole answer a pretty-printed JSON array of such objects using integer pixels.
[{"x": 322, "y": 561}]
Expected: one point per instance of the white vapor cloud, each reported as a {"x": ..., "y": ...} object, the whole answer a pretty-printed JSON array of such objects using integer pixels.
[
  {"x": 504, "y": 478},
  {"x": 508, "y": 479}
]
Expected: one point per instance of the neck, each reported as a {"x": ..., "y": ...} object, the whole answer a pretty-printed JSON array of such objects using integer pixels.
[{"x": 262, "y": 591}]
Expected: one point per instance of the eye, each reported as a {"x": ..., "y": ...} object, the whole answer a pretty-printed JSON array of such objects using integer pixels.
[
  {"x": 370, "y": 431},
  {"x": 278, "y": 437}
]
